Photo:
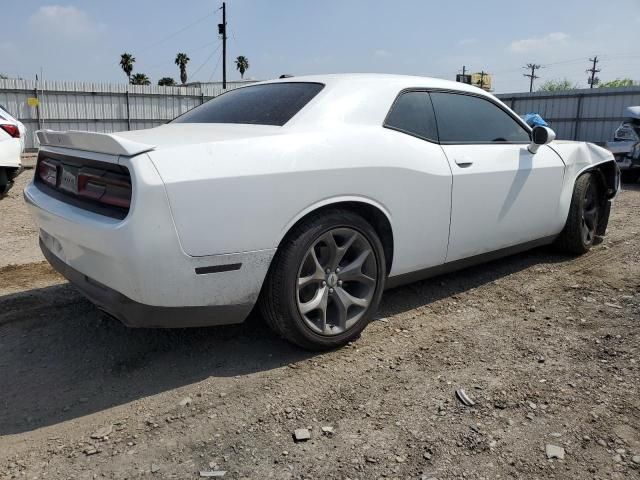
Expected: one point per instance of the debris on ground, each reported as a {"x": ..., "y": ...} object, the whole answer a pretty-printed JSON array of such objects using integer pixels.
[
  {"x": 213, "y": 473},
  {"x": 464, "y": 398},
  {"x": 90, "y": 451},
  {"x": 554, "y": 451},
  {"x": 301, "y": 435},
  {"x": 103, "y": 432}
]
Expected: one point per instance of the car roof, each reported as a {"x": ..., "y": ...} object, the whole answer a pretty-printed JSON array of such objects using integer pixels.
[
  {"x": 360, "y": 98},
  {"x": 386, "y": 79}
]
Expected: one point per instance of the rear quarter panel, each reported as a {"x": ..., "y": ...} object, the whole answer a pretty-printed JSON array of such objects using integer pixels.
[{"x": 244, "y": 195}]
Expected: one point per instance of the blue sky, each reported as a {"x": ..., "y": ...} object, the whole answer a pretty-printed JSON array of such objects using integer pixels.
[{"x": 82, "y": 40}]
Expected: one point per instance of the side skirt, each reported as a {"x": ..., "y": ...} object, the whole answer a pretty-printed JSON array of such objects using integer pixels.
[{"x": 406, "y": 278}]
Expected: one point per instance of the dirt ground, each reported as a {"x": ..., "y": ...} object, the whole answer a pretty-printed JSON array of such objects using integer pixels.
[{"x": 548, "y": 347}]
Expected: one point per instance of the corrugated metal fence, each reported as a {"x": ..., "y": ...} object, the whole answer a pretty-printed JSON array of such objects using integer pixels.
[
  {"x": 591, "y": 114},
  {"x": 99, "y": 107}
]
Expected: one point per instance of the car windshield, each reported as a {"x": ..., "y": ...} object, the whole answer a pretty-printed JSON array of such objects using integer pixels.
[{"x": 267, "y": 104}]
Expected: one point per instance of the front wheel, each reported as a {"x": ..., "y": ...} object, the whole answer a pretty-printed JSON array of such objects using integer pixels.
[
  {"x": 584, "y": 217},
  {"x": 326, "y": 281}
]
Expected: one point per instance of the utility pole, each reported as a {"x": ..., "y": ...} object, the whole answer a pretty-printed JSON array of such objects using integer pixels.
[
  {"x": 482, "y": 74},
  {"x": 532, "y": 76},
  {"x": 463, "y": 78},
  {"x": 222, "y": 30},
  {"x": 593, "y": 70}
]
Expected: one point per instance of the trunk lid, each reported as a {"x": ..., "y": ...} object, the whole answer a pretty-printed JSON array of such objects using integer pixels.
[
  {"x": 176, "y": 134},
  {"x": 136, "y": 142}
]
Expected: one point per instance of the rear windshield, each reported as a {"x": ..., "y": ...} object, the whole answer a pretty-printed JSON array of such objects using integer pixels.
[{"x": 268, "y": 104}]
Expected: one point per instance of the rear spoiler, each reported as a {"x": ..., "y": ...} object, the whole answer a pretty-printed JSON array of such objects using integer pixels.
[{"x": 93, "y": 142}]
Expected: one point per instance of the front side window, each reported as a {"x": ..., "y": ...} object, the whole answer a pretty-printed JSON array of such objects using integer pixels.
[
  {"x": 468, "y": 119},
  {"x": 412, "y": 113},
  {"x": 268, "y": 104}
]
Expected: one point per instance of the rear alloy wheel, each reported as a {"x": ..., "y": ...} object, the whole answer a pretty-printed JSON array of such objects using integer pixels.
[
  {"x": 584, "y": 216},
  {"x": 336, "y": 281},
  {"x": 326, "y": 281}
]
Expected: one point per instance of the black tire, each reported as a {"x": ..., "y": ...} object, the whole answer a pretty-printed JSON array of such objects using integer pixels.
[
  {"x": 280, "y": 296},
  {"x": 5, "y": 181},
  {"x": 585, "y": 211}
]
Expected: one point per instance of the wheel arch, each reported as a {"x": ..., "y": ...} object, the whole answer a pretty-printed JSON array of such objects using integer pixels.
[
  {"x": 372, "y": 211},
  {"x": 607, "y": 174}
]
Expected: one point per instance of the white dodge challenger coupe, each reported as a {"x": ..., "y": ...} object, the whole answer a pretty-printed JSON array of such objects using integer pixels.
[{"x": 308, "y": 196}]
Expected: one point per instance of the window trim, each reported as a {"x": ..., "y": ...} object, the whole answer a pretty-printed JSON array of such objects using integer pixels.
[
  {"x": 502, "y": 107},
  {"x": 435, "y": 141},
  {"x": 322, "y": 86}
]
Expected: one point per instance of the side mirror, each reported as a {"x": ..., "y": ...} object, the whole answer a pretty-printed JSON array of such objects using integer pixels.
[{"x": 540, "y": 136}]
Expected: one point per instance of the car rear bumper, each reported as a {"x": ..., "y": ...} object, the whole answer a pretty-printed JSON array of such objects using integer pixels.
[
  {"x": 138, "y": 315},
  {"x": 135, "y": 269},
  {"x": 10, "y": 151}
]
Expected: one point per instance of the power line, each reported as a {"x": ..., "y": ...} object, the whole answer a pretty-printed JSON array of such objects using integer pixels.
[
  {"x": 156, "y": 65},
  {"x": 532, "y": 76},
  {"x": 215, "y": 69},
  {"x": 206, "y": 60},
  {"x": 177, "y": 32}
]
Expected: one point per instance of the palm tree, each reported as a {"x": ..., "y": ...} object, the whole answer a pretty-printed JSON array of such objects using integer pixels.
[
  {"x": 242, "y": 64},
  {"x": 181, "y": 61},
  {"x": 140, "y": 79},
  {"x": 126, "y": 62},
  {"x": 166, "y": 82}
]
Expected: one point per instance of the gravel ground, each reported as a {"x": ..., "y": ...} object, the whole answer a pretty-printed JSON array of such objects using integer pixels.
[
  {"x": 547, "y": 346},
  {"x": 17, "y": 230}
]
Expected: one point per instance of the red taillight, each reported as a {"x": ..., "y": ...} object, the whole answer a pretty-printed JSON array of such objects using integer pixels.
[
  {"x": 105, "y": 187},
  {"x": 11, "y": 129},
  {"x": 48, "y": 172}
]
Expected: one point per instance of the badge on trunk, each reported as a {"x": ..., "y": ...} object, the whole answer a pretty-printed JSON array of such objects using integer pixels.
[{"x": 69, "y": 179}]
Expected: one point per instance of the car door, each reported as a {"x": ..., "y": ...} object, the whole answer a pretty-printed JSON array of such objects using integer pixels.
[
  {"x": 502, "y": 194},
  {"x": 423, "y": 220}
]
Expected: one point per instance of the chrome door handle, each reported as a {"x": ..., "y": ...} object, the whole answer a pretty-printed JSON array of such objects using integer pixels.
[{"x": 464, "y": 162}]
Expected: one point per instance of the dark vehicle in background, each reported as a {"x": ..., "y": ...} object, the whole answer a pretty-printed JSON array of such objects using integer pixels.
[{"x": 626, "y": 145}]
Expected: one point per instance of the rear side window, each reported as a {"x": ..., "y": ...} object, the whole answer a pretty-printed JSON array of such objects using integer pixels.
[
  {"x": 412, "y": 113},
  {"x": 269, "y": 104},
  {"x": 468, "y": 119}
]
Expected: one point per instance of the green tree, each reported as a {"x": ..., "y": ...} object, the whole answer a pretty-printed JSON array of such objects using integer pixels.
[
  {"x": 140, "y": 79},
  {"x": 166, "y": 82},
  {"x": 181, "y": 61},
  {"x": 557, "y": 85},
  {"x": 242, "y": 64},
  {"x": 618, "y": 82},
  {"x": 126, "y": 63},
  {"x": 3, "y": 76}
]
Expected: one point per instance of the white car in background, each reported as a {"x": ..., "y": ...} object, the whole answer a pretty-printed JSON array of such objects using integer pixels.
[
  {"x": 308, "y": 197},
  {"x": 12, "y": 133}
]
